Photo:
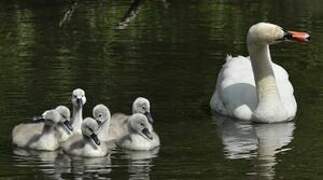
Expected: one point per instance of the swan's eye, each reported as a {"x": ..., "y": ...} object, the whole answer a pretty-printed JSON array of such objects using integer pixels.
[{"x": 100, "y": 115}]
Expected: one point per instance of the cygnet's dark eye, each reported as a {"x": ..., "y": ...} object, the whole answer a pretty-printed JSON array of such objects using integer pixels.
[
  {"x": 142, "y": 124},
  {"x": 100, "y": 115}
]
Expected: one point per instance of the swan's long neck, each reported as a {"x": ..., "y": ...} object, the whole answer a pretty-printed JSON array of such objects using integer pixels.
[
  {"x": 77, "y": 118},
  {"x": 269, "y": 105},
  {"x": 263, "y": 74}
]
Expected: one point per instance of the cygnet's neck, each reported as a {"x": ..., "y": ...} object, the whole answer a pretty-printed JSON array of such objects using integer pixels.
[
  {"x": 77, "y": 118},
  {"x": 269, "y": 107},
  {"x": 104, "y": 130},
  {"x": 48, "y": 129}
]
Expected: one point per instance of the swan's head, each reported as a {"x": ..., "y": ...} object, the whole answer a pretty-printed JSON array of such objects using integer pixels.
[
  {"x": 142, "y": 105},
  {"x": 138, "y": 123},
  {"x": 90, "y": 129},
  {"x": 78, "y": 97},
  {"x": 101, "y": 114},
  {"x": 66, "y": 115},
  {"x": 266, "y": 33}
]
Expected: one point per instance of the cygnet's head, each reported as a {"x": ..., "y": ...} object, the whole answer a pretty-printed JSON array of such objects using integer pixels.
[
  {"x": 64, "y": 111},
  {"x": 101, "y": 114},
  {"x": 142, "y": 105},
  {"x": 90, "y": 128},
  {"x": 66, "y": 114},
  {"x": 52, "y": 118},
  {"x": 78, "y": 98},
  {"x": 267, "y": 33},
  {"x": 138, "y": 123}
]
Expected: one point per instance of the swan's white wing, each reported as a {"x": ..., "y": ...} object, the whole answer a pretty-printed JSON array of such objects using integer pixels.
[
  {"x": 286, "y": 90},
  {"x": 235, "y": 93}
]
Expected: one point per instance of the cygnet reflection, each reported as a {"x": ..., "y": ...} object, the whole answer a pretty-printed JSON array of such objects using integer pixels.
[
  {"x": 139, "y": 163},
  {"x": 56, "y": 165}
]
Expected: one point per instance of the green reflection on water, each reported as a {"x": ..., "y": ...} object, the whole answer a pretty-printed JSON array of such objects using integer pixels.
[{"x": 168, "y": 51}]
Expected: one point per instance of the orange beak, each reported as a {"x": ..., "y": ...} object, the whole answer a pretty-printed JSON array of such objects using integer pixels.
[{"x": 299, "y": 36}]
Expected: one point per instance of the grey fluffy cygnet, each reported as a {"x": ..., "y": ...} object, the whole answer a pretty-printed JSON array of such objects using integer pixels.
[
  {"x": 141, "y": 135},
  {"x": 43, "y": 134},
  {"x": 119, "y": 121},
  {"x": 87, "y": 144}
]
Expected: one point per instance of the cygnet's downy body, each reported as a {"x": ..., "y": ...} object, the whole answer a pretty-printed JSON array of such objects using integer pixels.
[
  {"x": 119, "y": 121},
  {"x": 43, "y": 134},
  {"x": 141, "y": 135},
  {"x": 87, "y": 144}
]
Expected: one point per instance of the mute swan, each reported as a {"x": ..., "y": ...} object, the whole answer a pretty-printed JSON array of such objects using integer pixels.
[
  {"x": 255, "y": 88},
  {"x": 119, "y": 121},
  {"x": 103, "y": 117},
  {"x": 87, "y": 144},
  {"x": 29, "y": 135},
  {"x": 78, "y": 101},
  {"x": 141, "y": 135}
]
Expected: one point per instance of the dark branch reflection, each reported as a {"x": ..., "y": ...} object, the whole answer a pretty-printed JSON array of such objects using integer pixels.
[
  {"x": 130, "y": 14},
  {"x": 68, "y": 14}
]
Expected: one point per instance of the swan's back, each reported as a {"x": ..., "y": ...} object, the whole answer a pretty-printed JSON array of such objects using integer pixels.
[{"x": 235, "y": 93}]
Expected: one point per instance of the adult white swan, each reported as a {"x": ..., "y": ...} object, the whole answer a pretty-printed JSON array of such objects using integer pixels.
[{"x": 254, "y": 88}]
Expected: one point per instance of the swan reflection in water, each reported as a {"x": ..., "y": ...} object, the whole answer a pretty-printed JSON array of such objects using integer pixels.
[
  {"x": 243, "y": 140},
  {"x": 56, "y": 165}
]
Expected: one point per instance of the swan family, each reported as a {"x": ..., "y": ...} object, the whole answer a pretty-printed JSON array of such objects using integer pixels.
[
  {"x": 250, "y": 88},
  {"x": 95, "y": 136}
]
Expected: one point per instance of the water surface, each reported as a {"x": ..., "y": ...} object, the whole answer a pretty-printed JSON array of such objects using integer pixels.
[{"x": 170, "y": 52}]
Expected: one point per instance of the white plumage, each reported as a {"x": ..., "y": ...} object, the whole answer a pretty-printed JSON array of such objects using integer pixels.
[{"x": 254, "y": 88}]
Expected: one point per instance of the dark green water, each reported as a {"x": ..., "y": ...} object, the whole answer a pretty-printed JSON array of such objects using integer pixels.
[{"x": 170, "y": 52}]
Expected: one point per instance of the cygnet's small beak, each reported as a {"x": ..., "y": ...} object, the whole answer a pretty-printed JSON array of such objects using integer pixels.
[
  {"x": 297, "y": 36},
  {"x": 68, "y": 125},
  {"x": 95, "y": 139},
  {"x": 149, "y": 117},
  {"x": 99, "y": 122},
  {"x": 79, "y": 101},
  {"x": 146, "y": 132},
  {"x": 37, "y": 119}
]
